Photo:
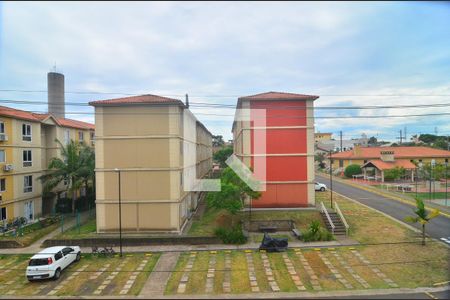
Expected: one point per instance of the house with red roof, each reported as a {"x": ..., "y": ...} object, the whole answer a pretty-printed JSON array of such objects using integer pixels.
[{"x": 379, "y": 159}]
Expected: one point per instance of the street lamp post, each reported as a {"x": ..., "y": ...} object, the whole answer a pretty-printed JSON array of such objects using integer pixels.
[
  {"x": 120, "y": 213},
  {"x": 331, "y": 180},
  {"x": 446, "y": 180}
]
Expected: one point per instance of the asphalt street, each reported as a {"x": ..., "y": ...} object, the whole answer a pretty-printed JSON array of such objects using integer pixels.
[{"x": 438, "y": 227}]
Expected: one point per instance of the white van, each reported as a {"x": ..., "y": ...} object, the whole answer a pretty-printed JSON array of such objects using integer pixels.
[{"x": 51, "y": 261}]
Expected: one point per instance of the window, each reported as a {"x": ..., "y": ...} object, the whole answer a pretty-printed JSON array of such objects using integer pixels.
[
  {"x": 66, "y": 251},
  {"x": 67, "y": 137},
  {"x": 420, "y": 160},
  {"x": 2, "y": 156},
  {"x": 2, "y": 127},
  {"x": 58, "y": 256},
  {"x": 28, "y": 183},
  {"x": 341, "y": 163},
  {"x": 80, "y": 135},
  {"x": 3, "y": 213},
  {"x": 26, "y": 132},
  {"x": 27, "y": 160},
  {"x": 92, "y": 135},
  {"x": 446, "y": 160},
  {"x": 2, "y": 184}
]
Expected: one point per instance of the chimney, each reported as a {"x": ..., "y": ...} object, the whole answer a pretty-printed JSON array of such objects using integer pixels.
[
  {"x": 55, "y": 90},
  {"x": 357, "y": 150},
  {"x": 387, "y": 155},
  {"x": 187, "y": 101}
]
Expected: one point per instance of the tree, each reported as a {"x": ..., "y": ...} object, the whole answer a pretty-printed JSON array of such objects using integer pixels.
[
  {"x": 86, "y": 172},
  {"x": 352, "y": 170},
  {"x": 222, "y": 155},
  {"x": 76, "y": 167},
  {"x": 373, "y": 141},
  {"x": 217, "y": 141},
  {"x": 422, "y": 216},
  {"x": 233, "y": 193},
  {"x": 320, "y": 158},
  {"x": 440, "y": 143}
]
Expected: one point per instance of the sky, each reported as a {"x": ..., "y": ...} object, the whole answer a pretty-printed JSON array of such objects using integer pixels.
[{"x": 348, "y": 53}]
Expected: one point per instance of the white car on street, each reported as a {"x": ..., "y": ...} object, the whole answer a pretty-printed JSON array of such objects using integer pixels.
[
  {"x": 320, "y": 187},
  {"x": 51, "y": 261}
]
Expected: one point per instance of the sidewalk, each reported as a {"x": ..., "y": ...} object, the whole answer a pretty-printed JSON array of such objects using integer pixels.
[{"x": 182, "y": 248}]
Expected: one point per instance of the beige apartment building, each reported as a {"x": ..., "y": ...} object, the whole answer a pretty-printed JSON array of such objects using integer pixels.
[
  {"x": 27, "y": 144},
  {"x": 157, "y": 145}
]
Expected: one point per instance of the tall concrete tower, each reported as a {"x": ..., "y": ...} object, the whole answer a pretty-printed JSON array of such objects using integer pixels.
[{"x": 55, "y": 90}]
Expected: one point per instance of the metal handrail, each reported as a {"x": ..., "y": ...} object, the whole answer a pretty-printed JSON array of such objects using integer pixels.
[
  {"x": 325, "y": 211},
  {"x": 341, "y": 215}
]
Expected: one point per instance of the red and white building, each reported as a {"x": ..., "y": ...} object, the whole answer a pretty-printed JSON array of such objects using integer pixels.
[{"x": 289, "y": 151}]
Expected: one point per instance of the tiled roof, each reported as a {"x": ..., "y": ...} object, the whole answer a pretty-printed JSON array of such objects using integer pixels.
[
  {"x": 385, "y": 165},
  {"x": 142, "y": 99},
  {"x": 399, "y": 152},
  {"x": 19, "y": 114},
  {"x": 29, "y": 116},
  {"x": 75, "y": 124},
  {"x": 279, "y": 96}
]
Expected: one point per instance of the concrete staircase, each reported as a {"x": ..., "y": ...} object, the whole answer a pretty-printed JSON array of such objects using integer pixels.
[{"x": 339, "y": 227}]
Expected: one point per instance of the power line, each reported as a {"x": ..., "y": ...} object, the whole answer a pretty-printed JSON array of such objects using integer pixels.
[
  {"x": 233, "y": 106},
  {"x": 256, "y": 117},
  {"x": 221, "y": 95}
]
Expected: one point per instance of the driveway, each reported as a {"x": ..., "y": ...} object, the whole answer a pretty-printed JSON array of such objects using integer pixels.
[{"x": 438, "y": 228}]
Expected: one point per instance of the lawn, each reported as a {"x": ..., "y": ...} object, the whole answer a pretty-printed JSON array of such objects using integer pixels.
[
  {"x": 87, "y": 229},
  {"x": 214, "y": 218},
  {"x": 81, "y": 284},
  {"x": 32, "y": 233}
]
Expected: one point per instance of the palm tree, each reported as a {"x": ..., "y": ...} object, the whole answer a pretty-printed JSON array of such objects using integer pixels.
[
  {"x": 422, "y": 216},
  {"x": 86, "y": 172},
  {"x": 70, "y": 168}
]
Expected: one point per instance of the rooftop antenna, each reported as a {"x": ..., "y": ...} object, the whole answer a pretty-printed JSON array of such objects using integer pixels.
[{"x": 187, "y": 101}]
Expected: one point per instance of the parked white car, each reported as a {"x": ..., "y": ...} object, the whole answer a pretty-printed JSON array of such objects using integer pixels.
[
  {"x": 51, "y": 261},
  {"x": 320, "y": 187}
]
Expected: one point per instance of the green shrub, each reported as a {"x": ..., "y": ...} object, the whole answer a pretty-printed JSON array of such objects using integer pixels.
[
  {"x": 352, "y": 170},
  {"x": 393, "y": 174},
  {"x": 232, "y": 235},
  {"x": 316, "y": 233}
]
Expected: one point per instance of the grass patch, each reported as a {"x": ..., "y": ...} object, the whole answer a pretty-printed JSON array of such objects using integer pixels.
[
  {"x": 394, "y": 248},
  {"x": 240, "y": 282},
  {"x": 86, "y": 230},
  {"x": 32, "y": 234},
  {"x": 197, "y": 277},
  {"x": 281, "y": 273}
]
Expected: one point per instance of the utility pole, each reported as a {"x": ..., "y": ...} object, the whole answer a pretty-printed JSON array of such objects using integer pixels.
[
  {"x": 340, "y": 136},
  {"x": 331, "y": 179},
  {"x": 406, "y": 140},
  {"x": 120, "y": 213},
  {"x": 401, "y": 137}
]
